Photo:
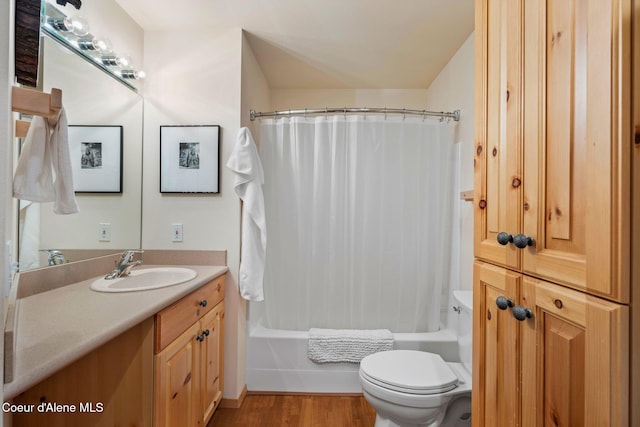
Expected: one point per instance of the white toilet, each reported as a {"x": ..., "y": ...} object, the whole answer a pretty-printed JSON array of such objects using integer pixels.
[{"x": 415, "y": 388}]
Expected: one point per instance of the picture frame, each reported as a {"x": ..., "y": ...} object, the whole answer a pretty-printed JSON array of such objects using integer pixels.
[
  {"x": 96, "y": 158},
  {"x": 190, "y": 159}
]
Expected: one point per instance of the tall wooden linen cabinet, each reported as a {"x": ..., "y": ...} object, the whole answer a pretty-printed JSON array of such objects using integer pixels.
[{"x": 556, "y": 214}]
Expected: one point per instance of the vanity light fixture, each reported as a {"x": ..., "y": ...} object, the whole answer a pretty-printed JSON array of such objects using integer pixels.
[
  {"x": 76, "y": 25},
  {"x": 73, "y": 32}
]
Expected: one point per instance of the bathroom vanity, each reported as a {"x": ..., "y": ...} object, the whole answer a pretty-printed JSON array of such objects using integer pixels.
[{"x": 90, "y": 358}]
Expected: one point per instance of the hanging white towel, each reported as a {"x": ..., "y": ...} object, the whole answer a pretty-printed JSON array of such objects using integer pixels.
[
  {"x": 249, "y": 177},
  {"x": 45, "y": 154}
]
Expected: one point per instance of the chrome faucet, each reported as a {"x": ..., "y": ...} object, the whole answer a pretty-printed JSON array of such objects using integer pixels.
[
  {"x": 55, "y": 256},
  {"x": 125, "y": 264}
]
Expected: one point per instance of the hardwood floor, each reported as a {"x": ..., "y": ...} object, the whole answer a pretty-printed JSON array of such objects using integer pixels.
[{"x": 297, "y": 410}]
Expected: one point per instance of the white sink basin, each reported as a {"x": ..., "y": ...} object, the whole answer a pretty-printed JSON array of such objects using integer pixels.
[{"x": 145, "y": 278}]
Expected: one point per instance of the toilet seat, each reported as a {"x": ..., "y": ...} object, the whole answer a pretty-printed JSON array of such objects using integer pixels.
[{"x": 409, "y": 371}]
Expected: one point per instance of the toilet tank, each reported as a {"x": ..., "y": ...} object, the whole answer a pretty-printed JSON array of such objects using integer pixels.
[{"x": 464, "y": 301}]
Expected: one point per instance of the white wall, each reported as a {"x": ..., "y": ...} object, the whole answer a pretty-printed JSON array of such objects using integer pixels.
[
  {"x": 286, "y": 99},
  {"x": 453, "y": 89},
  {"x": 256, "y": 93},
  {"x": 194, "y": 79}
]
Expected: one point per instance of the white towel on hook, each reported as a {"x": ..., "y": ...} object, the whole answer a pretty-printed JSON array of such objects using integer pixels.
[
  {"x": 249, "y": 177},
  {"x": 45, "y": 155}
]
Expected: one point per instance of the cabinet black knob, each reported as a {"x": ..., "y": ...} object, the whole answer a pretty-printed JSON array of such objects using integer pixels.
[
  {"x": 504, "y": 303},
  {"x": 521, "y": 313},
  {"x": 203, "y": 303},
  {"x": 521, "y": 241},
  {"x": 504, "y": 238},
  {"x": 200, "y": 338},
  {"x": 206, "y": 332}
]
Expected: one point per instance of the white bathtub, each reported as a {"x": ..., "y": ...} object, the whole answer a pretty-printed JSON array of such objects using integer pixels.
[{"x": 277, "y": 361}]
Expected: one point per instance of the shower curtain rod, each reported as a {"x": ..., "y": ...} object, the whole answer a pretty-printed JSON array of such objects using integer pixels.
[{"x": 455, "y": 115}]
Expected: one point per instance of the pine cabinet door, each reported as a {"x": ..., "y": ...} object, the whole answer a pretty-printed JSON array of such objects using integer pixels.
[
  {"x": 574, "y": 358},
  {"x": 577, "y": 140},
  {"x": 498, "y": 130},
  {"x": 211, "y": 372},
  {"x": 496, "y": 369},
  {"x": 176, "y": 381}
]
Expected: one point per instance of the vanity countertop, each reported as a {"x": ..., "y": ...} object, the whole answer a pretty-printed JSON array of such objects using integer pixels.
[{"x": 57, "y": 327}]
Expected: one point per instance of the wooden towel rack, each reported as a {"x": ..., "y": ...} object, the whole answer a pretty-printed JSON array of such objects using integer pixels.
[
  {"x": 467, "y": 196},
  {"x": 35, "y": 103}
]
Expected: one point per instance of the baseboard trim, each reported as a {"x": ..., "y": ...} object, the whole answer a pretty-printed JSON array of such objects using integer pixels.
[
  {"x": 234, "y": 403},
  {"x": 301, "y": 393}
]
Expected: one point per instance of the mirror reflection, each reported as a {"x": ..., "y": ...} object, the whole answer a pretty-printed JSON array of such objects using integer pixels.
[{"x": 107, "y": 222}]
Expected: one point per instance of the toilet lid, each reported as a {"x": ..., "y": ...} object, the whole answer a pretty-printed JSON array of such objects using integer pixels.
[{"x": 409, "y": 371}]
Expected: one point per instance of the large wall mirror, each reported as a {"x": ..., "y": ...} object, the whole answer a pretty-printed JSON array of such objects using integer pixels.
[{"x": 108, "y": 221}]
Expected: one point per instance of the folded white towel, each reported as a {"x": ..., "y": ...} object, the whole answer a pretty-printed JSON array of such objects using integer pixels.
[
  {"x": 346, "y": 345},
  {"x": 45, "y": 154},
  {"x": 249, "y": 177}
]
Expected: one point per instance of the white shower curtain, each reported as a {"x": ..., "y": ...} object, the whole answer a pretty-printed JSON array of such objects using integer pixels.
[{"x": 359, "y": 213}]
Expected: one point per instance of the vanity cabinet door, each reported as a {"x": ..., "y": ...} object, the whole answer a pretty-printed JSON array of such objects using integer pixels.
[
  {"x": 575, "y": 366},
  {"x": 498, "y": 145},
  {"x": 176, "y": 381},
  {"x": 496, "y": 369},
  {"x": 577, "y": 140},
  {"x": 211, "y": 356}
]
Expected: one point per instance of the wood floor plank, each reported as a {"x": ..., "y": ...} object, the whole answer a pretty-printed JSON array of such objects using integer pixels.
[{"x": 297, "y": 411}]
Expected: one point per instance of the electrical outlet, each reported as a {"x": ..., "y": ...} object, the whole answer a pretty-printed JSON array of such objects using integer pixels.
[
  {"x": 176, "y": 232},
  {"x": 104, "y": 232}
]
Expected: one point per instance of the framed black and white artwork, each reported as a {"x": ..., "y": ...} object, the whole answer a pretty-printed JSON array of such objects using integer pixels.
[
  {"x": 190, "y": 159},
  {"x": 96, "y": 158}
]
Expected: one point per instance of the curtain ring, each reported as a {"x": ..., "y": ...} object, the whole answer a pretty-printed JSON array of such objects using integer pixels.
[
  {"x": 305, "y": 114},
  {"x": 326, "y": 113},
  {"x": 385, "y": 113},
  {"x": 364, "y": 110},
  {"x": 345, "y": 113},
  {"x": 404, "y": 113},
  {"x": 424, "y": 115}
]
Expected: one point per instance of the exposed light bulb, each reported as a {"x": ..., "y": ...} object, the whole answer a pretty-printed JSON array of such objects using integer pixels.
[
  {"x": 101, "y": 45},
  {"x": 124, "y": 61},
  {"x": 76, "y": 25}
]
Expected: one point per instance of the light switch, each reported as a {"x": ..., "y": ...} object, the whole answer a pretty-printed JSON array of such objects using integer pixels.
[
  {"x": 104, "y": 232},
  {"x": 176, "y": 232}
]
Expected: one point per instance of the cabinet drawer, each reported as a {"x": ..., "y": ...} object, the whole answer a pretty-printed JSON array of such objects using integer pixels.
[{"x": 176, "y": 318}]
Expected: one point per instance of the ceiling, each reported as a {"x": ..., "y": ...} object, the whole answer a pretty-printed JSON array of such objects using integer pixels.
[{"x": 330, "y": 44}]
